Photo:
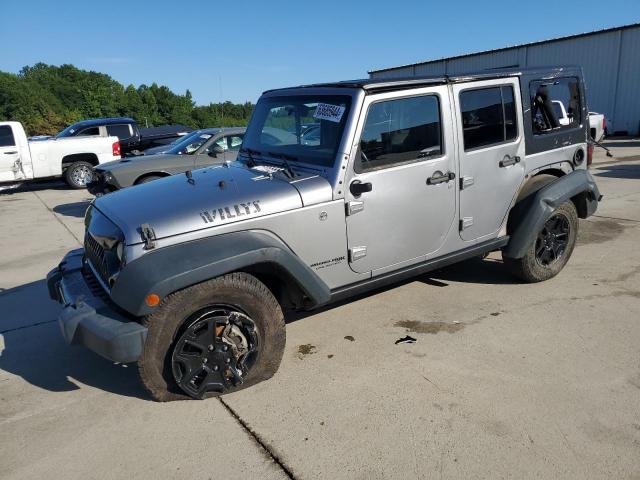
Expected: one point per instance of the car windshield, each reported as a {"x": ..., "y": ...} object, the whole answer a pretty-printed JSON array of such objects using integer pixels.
[
  {"x": 305, "y": 128},
  {"x": 188, "y": 146}
]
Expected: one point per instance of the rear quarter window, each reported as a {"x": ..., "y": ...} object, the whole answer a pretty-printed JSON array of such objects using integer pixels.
[{"x": 546, "y": 114}]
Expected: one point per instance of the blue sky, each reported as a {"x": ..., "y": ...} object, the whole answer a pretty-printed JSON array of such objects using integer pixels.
[{"x": 235, "y": 50}]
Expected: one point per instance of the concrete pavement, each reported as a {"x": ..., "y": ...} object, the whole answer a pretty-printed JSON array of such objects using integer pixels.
[{"x": 505, "y": 380}]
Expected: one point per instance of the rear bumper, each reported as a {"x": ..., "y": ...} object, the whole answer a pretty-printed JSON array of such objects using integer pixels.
[{"x": 89, "y": 320}]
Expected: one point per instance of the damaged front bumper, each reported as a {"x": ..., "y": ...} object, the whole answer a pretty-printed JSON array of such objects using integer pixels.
[
  {"x": 88, "y": 318},
  {"x": 101, "y": 184}
]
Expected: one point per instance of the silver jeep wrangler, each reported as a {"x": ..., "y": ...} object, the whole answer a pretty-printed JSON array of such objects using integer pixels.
[{"x": 339, "y": 188}]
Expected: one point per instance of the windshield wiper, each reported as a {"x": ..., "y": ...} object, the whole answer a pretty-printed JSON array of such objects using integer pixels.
[
  {"x": 250, "y": 153},
  {"x": 284, "y": 157}
]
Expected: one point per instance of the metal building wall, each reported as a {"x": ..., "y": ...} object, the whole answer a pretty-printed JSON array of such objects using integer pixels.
[
  {"x": 627, "y": 98},
  {"x": 610, "y": 60}
]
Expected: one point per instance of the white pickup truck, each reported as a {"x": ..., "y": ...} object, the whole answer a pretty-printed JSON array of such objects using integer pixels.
[
  {"x": 73, "y": 157},
  {"x": 597, "y": 122}
]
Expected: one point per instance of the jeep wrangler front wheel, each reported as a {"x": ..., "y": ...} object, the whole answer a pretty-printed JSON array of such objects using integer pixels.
[
  {"x": 213, "y": 338},
  {"x": 551, "y": 249}
]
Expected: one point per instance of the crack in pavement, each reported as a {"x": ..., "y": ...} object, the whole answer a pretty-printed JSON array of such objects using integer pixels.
[
  {"x": 26, "y": 326},
  {"x": 617, "y": 218},
  {"x": 261, "y": 443}
]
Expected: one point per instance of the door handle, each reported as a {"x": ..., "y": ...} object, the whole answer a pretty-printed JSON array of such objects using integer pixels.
[
  {"x": 357, "y": 188},
  {"x": 508, "y": 160},
  {"x": 10, "y": 153},
  {"x": 439, "y": 177}
]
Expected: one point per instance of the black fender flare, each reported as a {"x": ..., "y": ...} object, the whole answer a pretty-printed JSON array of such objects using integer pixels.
[
  {"x": 169, "y": 269},
  {"x": 578, "y": 186}
]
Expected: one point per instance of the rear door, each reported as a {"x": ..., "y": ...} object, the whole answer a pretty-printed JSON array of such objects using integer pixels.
[
  {"x": 490, "y": 152},
  {"x": 401, "y": 196},
  {"x": 9, "y": 155}
]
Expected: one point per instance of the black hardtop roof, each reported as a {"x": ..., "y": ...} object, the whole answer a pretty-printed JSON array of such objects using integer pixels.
[
  {"x": 165, "y": 130},
  {"x": 401, "y": 83},
  {"x": 104, "y": 121}
]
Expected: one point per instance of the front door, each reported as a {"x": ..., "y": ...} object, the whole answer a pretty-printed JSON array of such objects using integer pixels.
[
  {"x": 401, "y": 196},
  {"x": 491, "y": 154},
  {"x": 9, "y": 156}
]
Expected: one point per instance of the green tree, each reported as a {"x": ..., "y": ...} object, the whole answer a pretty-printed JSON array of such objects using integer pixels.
[{"x": 47, "y": 98}]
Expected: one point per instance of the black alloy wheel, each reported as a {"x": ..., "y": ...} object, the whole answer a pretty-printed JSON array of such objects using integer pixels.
[
  {"x": 552, "y": 240},
  {"x": 215, "y": 351}
]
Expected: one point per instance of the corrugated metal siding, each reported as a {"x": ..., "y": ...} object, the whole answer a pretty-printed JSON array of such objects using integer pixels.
[
  {"x": 396, "y": 72},
  {"x": 610, "y": 60},
  {"x": 502, "y": 59},
  {"x": 627, "y": 106},
  {"x": 432, "y": 68},
  {"x": 598, "y": 56}
]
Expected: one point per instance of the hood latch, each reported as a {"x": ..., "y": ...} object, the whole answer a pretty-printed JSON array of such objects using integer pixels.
[{"x": 148, "y": 236}]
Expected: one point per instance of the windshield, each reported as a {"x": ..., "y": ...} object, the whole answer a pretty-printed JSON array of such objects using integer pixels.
[
  {"x": 305, "y": 128},
  {"x": 189, "y": 145}
]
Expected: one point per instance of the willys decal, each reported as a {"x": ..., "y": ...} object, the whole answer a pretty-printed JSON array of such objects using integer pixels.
[{"x": 231, "y": 211}]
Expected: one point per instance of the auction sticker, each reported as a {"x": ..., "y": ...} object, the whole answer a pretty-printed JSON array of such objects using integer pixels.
[{"x": 326, "y": 111}]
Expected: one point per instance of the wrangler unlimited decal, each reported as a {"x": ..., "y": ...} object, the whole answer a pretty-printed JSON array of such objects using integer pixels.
[
  {"x": 232, "y": 211},
  {"x": 328, "y": 263}
]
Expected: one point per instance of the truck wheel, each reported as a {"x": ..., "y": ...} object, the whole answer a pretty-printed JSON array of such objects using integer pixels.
[
  {"x": 551, "y": 249},
  {"x": 78, "y": 174},
  {"x": 216, "y": 337}
]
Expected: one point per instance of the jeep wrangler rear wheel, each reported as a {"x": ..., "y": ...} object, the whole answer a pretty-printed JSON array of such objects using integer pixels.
[
  {"x": 551, "y": 249},
  {"x": 216, "y": 337}
]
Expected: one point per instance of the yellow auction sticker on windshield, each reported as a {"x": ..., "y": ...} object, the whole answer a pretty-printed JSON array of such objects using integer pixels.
[{"x": 326, "y": 111}]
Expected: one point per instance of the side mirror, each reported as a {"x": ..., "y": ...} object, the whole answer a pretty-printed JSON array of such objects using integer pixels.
[{"x": 216, "y": 150}]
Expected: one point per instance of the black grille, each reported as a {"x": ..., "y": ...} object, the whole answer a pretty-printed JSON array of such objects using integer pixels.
[
  {"x": 97, "y": 258},
  {"x": 94, "y": 284}
]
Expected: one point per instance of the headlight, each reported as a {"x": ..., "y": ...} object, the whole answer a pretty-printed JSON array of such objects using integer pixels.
[
  {"x": 107, "y": 177},
  {"x": 120, "y": 251}
]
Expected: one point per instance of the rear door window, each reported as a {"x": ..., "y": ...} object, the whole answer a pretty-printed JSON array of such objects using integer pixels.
[
  {"x": 6, "y": 136},
  {"x": 122, "y": 131},
  {"x": 488, "y": 116}
]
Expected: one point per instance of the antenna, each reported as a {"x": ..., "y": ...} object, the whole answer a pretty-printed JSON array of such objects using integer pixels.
[{"x": 221, "y": 102}]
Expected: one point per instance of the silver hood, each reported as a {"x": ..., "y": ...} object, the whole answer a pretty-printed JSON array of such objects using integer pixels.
[{"x": 210, "y": 197}]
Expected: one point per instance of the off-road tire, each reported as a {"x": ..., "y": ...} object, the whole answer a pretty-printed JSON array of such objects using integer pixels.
[
  {"x": 147, "y": 179},
  {"x": 240, "y": 290},
  {"x": 529, "y": 269},
  {"x": 71, "y": 174}
]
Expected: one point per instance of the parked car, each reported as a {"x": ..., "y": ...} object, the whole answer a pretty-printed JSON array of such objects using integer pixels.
[
  {"x": 597, "y": 122},
  {"x": 189, "y": 276},
  {"x": 208, "y": 147},
  {"x": 71, "y": 158},
  {"x": 165, "y": 148},
  {"x": 133, "y": 139}
]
